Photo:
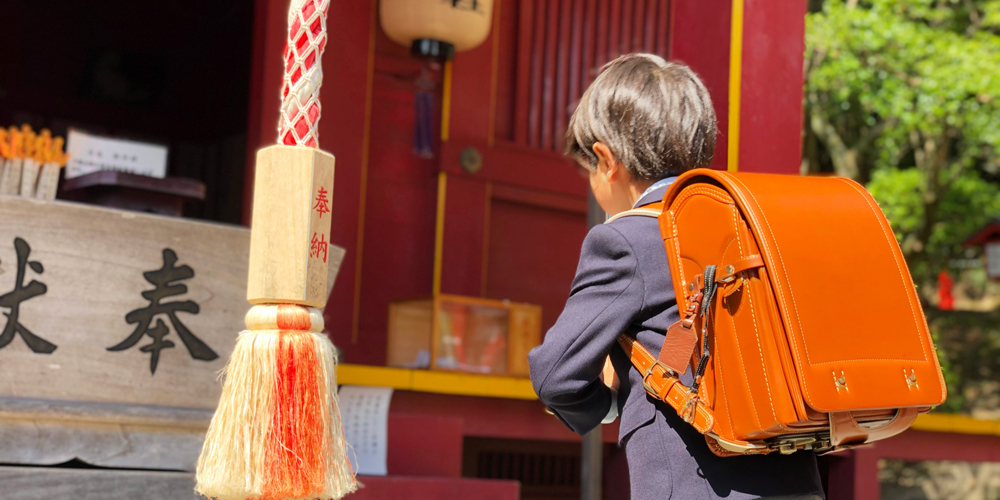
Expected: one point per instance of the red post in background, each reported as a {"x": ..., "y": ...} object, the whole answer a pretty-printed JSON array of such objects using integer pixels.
[
  {"x": 767, "y": 53},
  {"x": 770, "y": 90}
]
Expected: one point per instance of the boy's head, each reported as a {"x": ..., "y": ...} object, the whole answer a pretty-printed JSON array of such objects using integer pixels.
[{"x": 642, "y": 119}]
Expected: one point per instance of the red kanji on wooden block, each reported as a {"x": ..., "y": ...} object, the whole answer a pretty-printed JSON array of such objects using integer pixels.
[
  {"x": 319, "y": 245},
  {"x": 322, "y": 204}
]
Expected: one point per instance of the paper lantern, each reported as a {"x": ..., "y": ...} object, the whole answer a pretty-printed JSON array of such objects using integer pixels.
[{"x": 437, "y": 28}]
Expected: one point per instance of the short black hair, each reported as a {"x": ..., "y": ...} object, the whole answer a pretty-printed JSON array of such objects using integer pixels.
[{"x": 655, "y": 116}]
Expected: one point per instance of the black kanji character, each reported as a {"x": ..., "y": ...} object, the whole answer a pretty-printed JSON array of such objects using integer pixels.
[
  {"x": 163, "y": 278},
  {"x": 20, "y": 294},
  {"x": 472, "y": 5}
]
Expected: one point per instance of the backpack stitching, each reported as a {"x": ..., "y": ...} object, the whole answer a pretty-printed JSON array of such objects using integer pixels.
[
  {"x": 756, "y": 331},
  {"x": 781, "y": 297}
]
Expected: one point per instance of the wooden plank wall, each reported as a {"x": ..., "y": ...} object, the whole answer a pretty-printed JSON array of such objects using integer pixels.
[{"x": 35, "y": 483}]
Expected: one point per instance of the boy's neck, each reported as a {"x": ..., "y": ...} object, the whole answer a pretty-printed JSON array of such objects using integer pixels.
[{"x": 635, "y": 190}]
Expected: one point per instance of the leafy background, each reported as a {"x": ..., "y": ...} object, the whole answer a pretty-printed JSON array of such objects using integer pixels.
[{"x": 904, "y": 97}]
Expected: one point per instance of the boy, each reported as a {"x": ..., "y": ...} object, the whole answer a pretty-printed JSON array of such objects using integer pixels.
[{"x": 640, "y": 124}]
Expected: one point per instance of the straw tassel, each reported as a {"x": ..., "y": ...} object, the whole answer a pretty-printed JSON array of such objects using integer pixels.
[{"x": 277, "y": 432}]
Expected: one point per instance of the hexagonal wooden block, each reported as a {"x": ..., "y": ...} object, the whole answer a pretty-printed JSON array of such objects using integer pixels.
[{"x": 290, "y": 232}]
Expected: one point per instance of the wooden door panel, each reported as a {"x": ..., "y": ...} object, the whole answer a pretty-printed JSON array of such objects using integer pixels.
[
  {"x": 466, "y": 212},
  {"x": 398, "y": 246},
  {"x": 533, "y": 254},
  {"x": 517, "y": 166}
]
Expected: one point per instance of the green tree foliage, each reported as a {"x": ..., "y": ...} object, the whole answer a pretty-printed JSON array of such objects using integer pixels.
[
  {"x": 904, "y": 96},
  {"x": 907, "y": 92},
  {"x": 964, "y": 208},
  {"x": 969, "y": 345}
]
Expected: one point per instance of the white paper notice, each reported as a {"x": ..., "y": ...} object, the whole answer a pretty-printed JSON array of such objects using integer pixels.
[
  {"x": 993, "y": 260},
  {"x": 365, "y": 413},
  {"x": 91, "y": 153}
]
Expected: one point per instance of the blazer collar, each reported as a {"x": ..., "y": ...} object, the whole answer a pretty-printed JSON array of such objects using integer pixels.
[{"x": 653, "y": 196}]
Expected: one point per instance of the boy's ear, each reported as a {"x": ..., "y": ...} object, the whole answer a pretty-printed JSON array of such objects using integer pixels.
[{"x": 607, "y": 158}]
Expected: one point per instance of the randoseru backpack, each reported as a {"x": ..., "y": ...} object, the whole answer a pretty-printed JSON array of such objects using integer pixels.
[{"x": 799, "y": 317}]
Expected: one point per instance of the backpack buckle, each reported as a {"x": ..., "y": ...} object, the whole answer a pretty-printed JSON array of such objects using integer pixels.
[{"x": 649, "y": 373}]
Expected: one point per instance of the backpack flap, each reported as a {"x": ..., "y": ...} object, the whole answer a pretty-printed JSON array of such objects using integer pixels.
[{"x": 848, "y": 305}]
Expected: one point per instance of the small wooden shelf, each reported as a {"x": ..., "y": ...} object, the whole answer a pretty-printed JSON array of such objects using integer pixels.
[{"x": 462, "y": 384}]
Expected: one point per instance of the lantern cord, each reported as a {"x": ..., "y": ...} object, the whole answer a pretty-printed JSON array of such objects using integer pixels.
[{"x": 423, "y": 115}]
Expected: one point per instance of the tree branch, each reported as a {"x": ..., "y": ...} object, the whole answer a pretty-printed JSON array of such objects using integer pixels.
[
  {"x": 844, "y": 158},
  {"x": 975, "y": 20},
  {"x": 930, "y": 155},
  {"x": 867, "y": 138}
]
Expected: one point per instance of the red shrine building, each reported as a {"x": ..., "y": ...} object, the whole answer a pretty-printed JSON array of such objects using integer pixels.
[{"x": 497, "y": 212}]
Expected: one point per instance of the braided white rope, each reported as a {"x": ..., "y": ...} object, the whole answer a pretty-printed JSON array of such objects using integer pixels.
[{"x": 300, "y": 107}]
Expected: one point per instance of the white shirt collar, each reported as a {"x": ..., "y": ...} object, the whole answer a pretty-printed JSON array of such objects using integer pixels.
[{"x": 656, "y": 185}]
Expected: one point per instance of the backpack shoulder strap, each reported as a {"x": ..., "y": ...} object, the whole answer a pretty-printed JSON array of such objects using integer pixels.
[
  {"x": 658, "y": 379},
  {"x": 651, "y": 210}
]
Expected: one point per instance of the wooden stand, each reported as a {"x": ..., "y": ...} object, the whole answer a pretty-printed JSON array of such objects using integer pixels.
[
  {"x": 469, "y": 334},
  {"x": 139, "y": 193}
]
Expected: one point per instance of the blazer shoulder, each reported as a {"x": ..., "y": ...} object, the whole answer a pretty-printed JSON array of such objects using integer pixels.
[
  {"x": 637, "y": 230},
  {"x": 605, "y": 236}
]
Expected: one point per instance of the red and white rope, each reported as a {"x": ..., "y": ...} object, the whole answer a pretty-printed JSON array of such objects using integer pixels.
[{"x": 300, "y": 107}]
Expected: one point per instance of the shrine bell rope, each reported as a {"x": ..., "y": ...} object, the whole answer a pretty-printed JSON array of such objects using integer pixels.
[
  {"x": 277, "y": 432},
  {"x": 300, "y": 106}
]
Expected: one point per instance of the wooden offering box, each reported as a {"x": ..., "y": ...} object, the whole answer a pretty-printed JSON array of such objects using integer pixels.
[{"x": 449, "y": 332}]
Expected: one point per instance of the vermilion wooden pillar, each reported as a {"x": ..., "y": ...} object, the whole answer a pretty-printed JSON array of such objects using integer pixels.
[
  {"x": 699, "y": 37},
  {"x": 770, "y": 101},
  {"x": 749, "y": 54}
]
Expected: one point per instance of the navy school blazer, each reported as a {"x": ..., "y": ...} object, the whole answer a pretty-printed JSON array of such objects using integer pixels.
[{"x": 623, "y": 284}]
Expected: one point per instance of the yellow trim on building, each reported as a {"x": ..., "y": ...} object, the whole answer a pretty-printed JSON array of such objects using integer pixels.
[
  {"x": 959, "y": 424},
  {"x": 472, "y": 385},
  {"x": 461, "y": 384},
  {"x": 377, "y": 376},
  {"x": 735, "y": 82},
  {"x": 439, "y": 232},
  {"x": 467, "y": 384},
  {"x": 495, "y": 39}
]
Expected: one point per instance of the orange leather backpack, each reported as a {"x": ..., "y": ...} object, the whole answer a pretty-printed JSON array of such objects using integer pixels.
[{"x": 798, "y": 316}]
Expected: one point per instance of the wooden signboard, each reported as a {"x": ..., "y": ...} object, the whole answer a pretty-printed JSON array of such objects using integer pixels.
[{"x": 113, "y": 321}]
